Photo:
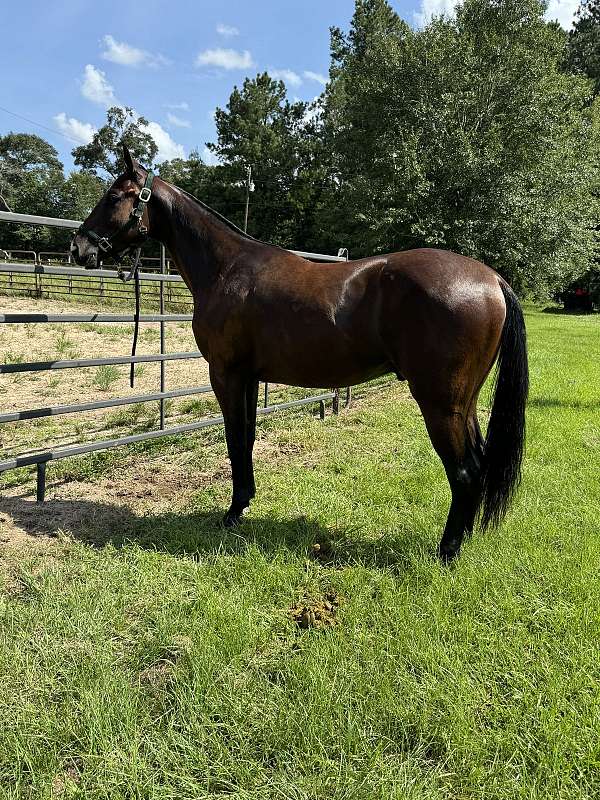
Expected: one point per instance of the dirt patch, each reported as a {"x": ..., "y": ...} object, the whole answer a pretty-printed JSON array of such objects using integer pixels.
[
  {"x": 317, "y": 613},
  {"x": 67, "y": 783},
  {"x": 98, "y": 510},
  {"x": 26, "y": 342}
]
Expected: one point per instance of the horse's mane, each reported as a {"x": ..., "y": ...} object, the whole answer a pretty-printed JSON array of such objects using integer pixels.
[{"x": 218, "y": 215}]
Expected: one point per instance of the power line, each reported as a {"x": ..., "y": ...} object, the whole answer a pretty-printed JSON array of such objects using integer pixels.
[{"x": 39, "y": 124}]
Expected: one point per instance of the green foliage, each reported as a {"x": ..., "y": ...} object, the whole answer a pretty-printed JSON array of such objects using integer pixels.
[
  {"x": 464, "y": 135},
  {"x": 104, "y": 152},
  {"x": 31, "y": 180},
  {"x": 583, "y": 52},
  {"x": 80, "y": 193},
  {"x": 262, "y": 129},
  {"x": 476, "y": 134},
  {"x": 105, "y": 376}
]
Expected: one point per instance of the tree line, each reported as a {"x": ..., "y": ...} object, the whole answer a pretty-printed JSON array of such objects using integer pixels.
[{"x": 478, "y": 133}]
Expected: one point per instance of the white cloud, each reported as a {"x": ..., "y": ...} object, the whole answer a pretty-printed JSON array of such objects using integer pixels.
[
  {"x": 180, "y": 123},
  {"x": 183, "y": 106},
  {"x": 129, "y": 56},
  {"x": 433, "y": 8},
  {"x": 287, "y": 75},
  {"x": 315, "y": 76},
  {"x": 96, "y": 88},
  {"x": 209, "y": 158},
  {"x": 167, "y": 147},
  {"x": 224, "y": 58},
  {"x": 80, "y": 132},
  {"x": 313, "y": 111},
  {"x": 562, "y": 10},
  {"x": 227, "y": 30}
]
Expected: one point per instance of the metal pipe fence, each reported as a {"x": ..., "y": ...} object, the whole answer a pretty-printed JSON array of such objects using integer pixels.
[{"x": 165, "y": 287}]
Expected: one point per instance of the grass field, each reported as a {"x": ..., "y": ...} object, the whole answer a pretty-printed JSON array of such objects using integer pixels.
[{"x": 146, "y": 653}]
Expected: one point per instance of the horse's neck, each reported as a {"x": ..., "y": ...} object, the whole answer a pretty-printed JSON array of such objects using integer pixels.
[{"x": 200, "y": 245}]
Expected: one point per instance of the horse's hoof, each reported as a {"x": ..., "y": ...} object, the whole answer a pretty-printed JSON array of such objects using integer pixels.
[
  {"x": 234, "y": 517},
  {"x": 447, "y": 555}
]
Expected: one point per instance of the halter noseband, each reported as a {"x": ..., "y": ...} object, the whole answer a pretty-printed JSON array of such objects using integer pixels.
[{"x": 105, "y": 243}]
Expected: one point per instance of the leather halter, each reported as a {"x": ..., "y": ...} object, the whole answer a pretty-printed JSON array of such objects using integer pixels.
[{"x": 105, "y": 243}]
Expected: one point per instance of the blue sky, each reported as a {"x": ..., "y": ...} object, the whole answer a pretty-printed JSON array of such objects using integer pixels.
[{"x": 63, "y": 63}]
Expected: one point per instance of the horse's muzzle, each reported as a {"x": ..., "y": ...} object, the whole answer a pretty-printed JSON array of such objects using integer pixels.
[{"x": 83, "y": 253}]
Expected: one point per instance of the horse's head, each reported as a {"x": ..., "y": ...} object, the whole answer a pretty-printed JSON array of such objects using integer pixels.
[{"x": 119, "y": 221}]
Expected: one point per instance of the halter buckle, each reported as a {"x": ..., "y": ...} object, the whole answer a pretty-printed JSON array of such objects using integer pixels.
[
  {"x": 104, "y": 244},
  {"x": 145, "y": 195}
]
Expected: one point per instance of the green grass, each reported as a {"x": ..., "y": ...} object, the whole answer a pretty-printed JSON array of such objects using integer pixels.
[
  {"x": 155, "y": 656},
  {"x": 105, "y": 376}
]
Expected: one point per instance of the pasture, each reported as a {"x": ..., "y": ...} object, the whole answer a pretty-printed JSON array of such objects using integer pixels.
[{"x": 319, "y": 651}]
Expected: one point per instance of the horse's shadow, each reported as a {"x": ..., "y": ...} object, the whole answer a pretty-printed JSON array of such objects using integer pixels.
[
  {"x": 555, "y": 402},
  {"x": 199, "y": 533}
]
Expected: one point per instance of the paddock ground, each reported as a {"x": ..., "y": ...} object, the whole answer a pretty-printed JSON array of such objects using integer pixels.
[
  {"x": 319, "y": 651},
  {"x": 26, "y": 342}
]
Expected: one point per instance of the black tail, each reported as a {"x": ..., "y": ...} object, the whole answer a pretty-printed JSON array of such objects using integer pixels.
[{"x": 505, "y": 437}]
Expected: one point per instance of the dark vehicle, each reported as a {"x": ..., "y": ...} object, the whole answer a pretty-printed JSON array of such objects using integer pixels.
[{"x": 582, "y": 294}]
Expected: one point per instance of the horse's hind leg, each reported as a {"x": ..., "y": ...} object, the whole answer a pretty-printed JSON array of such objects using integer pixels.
[
  {"x": 474, "y": 444},
  {"x": 453, "y": 442}
]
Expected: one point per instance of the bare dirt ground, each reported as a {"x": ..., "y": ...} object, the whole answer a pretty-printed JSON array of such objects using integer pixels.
[
  {"x": 101, "y": 506},
  {"x": 25, "y": 342},
  {"x": 157, "y": 484}
]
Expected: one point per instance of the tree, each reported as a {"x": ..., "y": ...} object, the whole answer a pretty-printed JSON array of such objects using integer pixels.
[
  {"x": 31, "y": 179},
  {"x": 464, "y": 135},
  {"x": 583, "y": 51},
  {"x": 30, "y": 173},
  {"x": 80, "y": 193},
  {"x": 194, "y": 176},
  {"x": 105, "y": 154},
  {"x": 261, "y": 129}
]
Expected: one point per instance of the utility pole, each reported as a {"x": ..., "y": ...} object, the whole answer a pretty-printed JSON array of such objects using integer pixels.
[{"x": 249, "y": 188}]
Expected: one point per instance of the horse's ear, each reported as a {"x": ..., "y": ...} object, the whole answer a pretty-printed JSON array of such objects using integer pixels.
[{"x": 130, "y": 162}]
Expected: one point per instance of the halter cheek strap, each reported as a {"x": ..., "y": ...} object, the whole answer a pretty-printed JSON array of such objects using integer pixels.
[{"x": 105, "y": 243}]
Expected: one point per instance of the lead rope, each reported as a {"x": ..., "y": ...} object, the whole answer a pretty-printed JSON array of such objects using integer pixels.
[{"x": 135, "y": 274}]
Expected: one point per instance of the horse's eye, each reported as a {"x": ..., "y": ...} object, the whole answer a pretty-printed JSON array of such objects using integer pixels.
[{"x": 113, "y": 197}]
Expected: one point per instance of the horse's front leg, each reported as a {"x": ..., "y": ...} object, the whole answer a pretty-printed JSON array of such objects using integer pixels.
[
  {"x": 251, "y": 410},
  {"x": 230, "y": 390}
]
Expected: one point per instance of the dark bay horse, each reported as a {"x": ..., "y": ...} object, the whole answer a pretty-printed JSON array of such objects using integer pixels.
[{"x": 432, "y": 317}]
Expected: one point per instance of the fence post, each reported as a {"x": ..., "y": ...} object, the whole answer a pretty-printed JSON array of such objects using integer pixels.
[
  {"x": 335, "y": 406},
  {"x": 38, "y": 278},
  {"x": 163, "y": 269},
  {"x": 41, "y": 482}
]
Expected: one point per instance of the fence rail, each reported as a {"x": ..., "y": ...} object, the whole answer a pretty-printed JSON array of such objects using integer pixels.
[{"x": 161, "y": 280}]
